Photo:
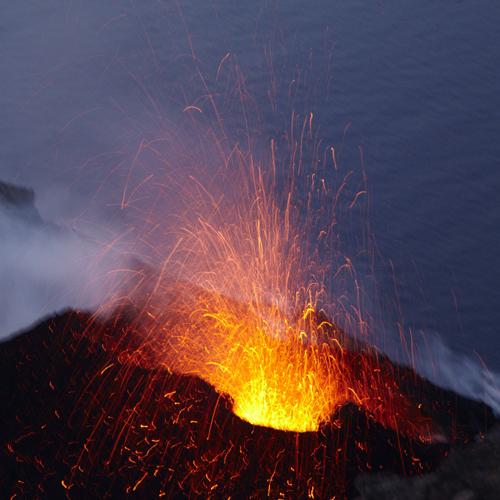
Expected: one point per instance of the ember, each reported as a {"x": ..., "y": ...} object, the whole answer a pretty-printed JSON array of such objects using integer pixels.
[
  {"x": 281, "y": 374},
  {"x": 231, "y": 352},
  {"x": 81, "y": 422}
]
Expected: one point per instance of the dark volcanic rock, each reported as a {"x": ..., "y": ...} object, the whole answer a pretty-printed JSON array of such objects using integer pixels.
[
  {"x": 79, "y": 422},
  {"x": 472, "y": 473},
  {"x": 19, "y": 201}
]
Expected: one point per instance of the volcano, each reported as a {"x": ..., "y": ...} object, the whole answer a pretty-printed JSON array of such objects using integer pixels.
[{"x": 79, "y": 422}]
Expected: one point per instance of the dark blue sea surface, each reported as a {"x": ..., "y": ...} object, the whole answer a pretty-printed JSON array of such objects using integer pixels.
[{"x": 407, "y": 92}]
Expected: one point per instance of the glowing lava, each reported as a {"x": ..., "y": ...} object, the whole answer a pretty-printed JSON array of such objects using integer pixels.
[
  {"x": 233, "y": 295},
  {"x": 289, "y": 375}
]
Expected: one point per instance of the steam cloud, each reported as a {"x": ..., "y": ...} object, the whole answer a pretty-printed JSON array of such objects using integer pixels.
[
  {"x": 462, "y": 374},
  {"x": 46, "y": 267}
]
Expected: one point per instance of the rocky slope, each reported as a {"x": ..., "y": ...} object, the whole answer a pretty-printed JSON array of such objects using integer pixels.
[{"x": 79, "y": 422}]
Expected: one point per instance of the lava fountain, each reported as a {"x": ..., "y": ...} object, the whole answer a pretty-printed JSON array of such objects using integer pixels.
[
  {"x": 235, "y": 268},
  {"x": 243, "y": 300}
]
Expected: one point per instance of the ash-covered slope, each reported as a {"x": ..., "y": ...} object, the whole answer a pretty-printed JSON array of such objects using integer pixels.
[
  {"x": 472, "y": 473},
  {"x": 79, "y": 422}
]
